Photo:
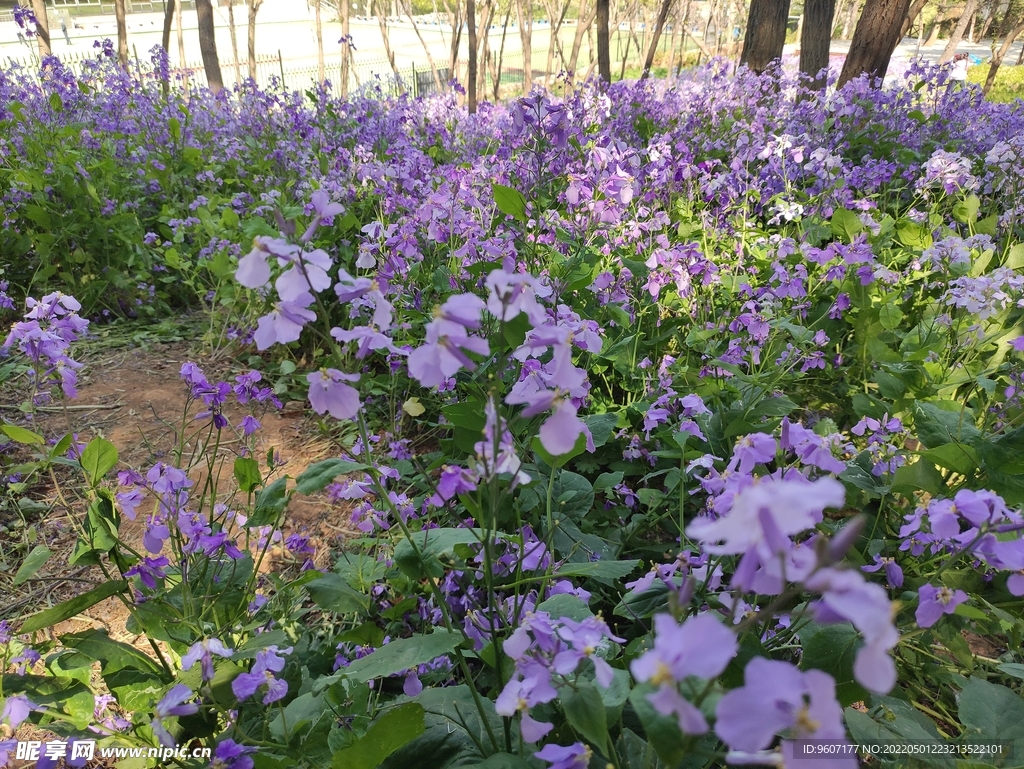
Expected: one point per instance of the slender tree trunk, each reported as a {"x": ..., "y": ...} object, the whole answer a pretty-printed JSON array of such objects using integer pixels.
[
  {"x": 208, "y": 45},
  {"x": 165, "y": 40},
  {"x": 42, "y": 28},
  {"x": 471, "y": 75},
  {"x": 875, "y": 39},
  {"x": 851, "y": 14},
  {"x": 234, "y": 42},
  {"x": 958, "y": 31},
  {"x": 524, "y": 12},
  {"x": 983, "y": 30},
  {"x": 659, "y": 25},
  {"x": 381, "y": 9},
  {"x": 998, "y": 56},
  {"x": 815, "y": 39},
  {"x": 407, "y": 7},
  {"x": 915, "y": 10},
  {"x": 346, "y": 48},
  {"x": 583, "y": 25},
  {"x": 122, "y": 34},
  {"x": 321, "y": 72},
  {"x": 936, "y": 26},
  {"x": 179, "y": 28},
  {"x": 766, "y": 33},
  {"x": 501, "y": 54},
  {"x": 604, "y": 53},
  {"x": 253, "y": 7},
  {"x": 484, "y": 45}
]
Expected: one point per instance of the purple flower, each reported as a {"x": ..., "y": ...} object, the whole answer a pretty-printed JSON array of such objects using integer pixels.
[
  {"x": 753, "y": 449},
  {"x": 328, "y": 393},
  {"x": 933, "y": 602},
  {"x": 253, "y": 268},
  {"x": 575, "y": 756},
  {"x": 16, "y": 709},
  {"x": 149, "y": 570},
  {"x": 268, "y": 662},
  {"x": 701, "y": 646},
  {"x": 444, "y": 353},
  {"x": 586, "y": 638},
  {"x": 173, "y": 704},
  {"x": 777, "y": 697},
  {"x": 203, "y": 651},
  {"x": 284, "y": 323},
  {"x": 893, "y": 572},
  {"x": 230, "y": 755}
]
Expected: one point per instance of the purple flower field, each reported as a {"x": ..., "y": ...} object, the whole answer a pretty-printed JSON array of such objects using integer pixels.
[{"x": 679, "y": 423}]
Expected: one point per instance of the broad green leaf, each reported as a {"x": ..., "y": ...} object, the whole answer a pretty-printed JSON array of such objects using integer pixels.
[
  {"x": 919, "y": 476},
  {"x": 966, "y": 210},
  {"x": 992, "y": 711},
  {"x": 112, "y": 655},
  {"x": 402, "y": 654},
  {"x": 890, "y": 316},
  {"x": 72, "y": 607},
  {"x": 318, "y": 476},
  {"x": 566, "y": 605},
  {"x": 572, "y": 496},
  {"x": 98, "y": 459},
  {"x": 270, "y": 502},
  {"x": 333, "y": 593},
  {"x": 509, "y": 201},
  {"x": 560, "y": 460},
  {"x": 247, "y": 474},
  {"x": 1012, "y": 669},
  {"x": 21, "y": 435},
  {"x": 937, "y": 427},
  {"x": 33, "y": 562},
  {"x": 1015, "y": 257},
  {"x": 601, "y": 427},
  {"x": 432, "y": 544},
  {"x": 957, "y": 457},
  {"x": 833, "y": 649},
  {"x": 643, "y": 604},
  {"x": 846, "y": 225},
  {"x": 585, "y": 712},
  {"x": 599, "y": 569}
]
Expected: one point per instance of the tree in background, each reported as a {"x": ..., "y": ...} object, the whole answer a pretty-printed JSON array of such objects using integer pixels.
[
  {"x": 42, "y": 27},
  {"x": 208, "y": 45},
  {"x": 471, "y": 74},
  {"x": 346, "y": 45},
  {"x": 234, "y": 41},
  {"x": 766, "y": 33},
  {"x": 604, "y": 52},
  {"x": 958, "y": 31},
  {"x": 253, "y": 7},
  {"x": 524, "y": 12},
  {"x": 875, "y": 38},
  {"x": 320, "y": 73},
  {"x": 1012, "y": 33},
  {"x": 122, "y": 34},
  {"x": 658, "y": 27},
  {"x": 816, "y": 38}
]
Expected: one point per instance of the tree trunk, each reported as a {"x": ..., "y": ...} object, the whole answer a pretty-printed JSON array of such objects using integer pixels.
[
  {"x": 346, "y": 48},
  {"x": 42, "y": 28},
  {"x": 234, "y": 42},
  {"x": 122, "y": 34},
  {"x": 766, "y": 33},
  {"x": 997, "y": 57},
  {"x": 426, "y": 48},
  {"x": 583, "y": 25},
  {"x": 815, "y": 39},
  {"x": 501, "y": 54},
  {"x": 875, "y": 39},
  {"x": 471, "y": 75},
  {"x": 208, "y": 45},
  {"x": 524, "y": 13},
  {"x": 181, "y": 44},
  {"x": 958, "y": 31},
  {"x": 318, "y": 21},
  {"x": 915, "y": 10},
  {"x": 604, "y": 53},
  {"x": 253, "y": 7},
  {"x": 659, "y": 25},
  {"x": 851, "y": 14},
  {"x": 165, "y": 40},
  {"x": 381, "y": 9}
]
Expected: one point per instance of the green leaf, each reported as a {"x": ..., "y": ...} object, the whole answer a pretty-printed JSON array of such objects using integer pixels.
[
  {"x": 990, "y": 710},
  {"x": 599, "y": 569},
  {"x": 333, "y": 593},
  {"x": 845, "y": 225},
  {"x": 72, "y": 607},
  {"x": 432, "y": 544},
  {"x": 388, "y": 733},
  {"x": 662, "y": 732},
  {"x": 402, "y": 654},
  {"x": 920, "y": 476},
  {"x": 937, "y": 427},
  {"x": 585, "y": 713},
  {"x": 559, "y": 460},
  {"x": 833, "y": 649},
  {"x": 247, "y": 473},
  {"x": 890, "y": 316},
  {"x": 1015, "y": 257},
  {"x": 98, "y": 459},
  {"x": 572, "y": 495},
  {"x": 318, "y": 476},
  {"x": 509, "y": 201},
  {"x": 957, "y": 457},
  {"x": 501, "y": 761},
  {"x": 566, "y": 605},
  {"x": 21, "y": 435},
  {"x": 270, "y": 502},
  {"x": 601, "y": 427},
  {"x": 33, "y": 562},
  {"x": 643, "y": 604},
  {"x": 966, "y": 210},
  {"x": 112, "y": 655},
  {"x": 1012, "y": 669}
]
